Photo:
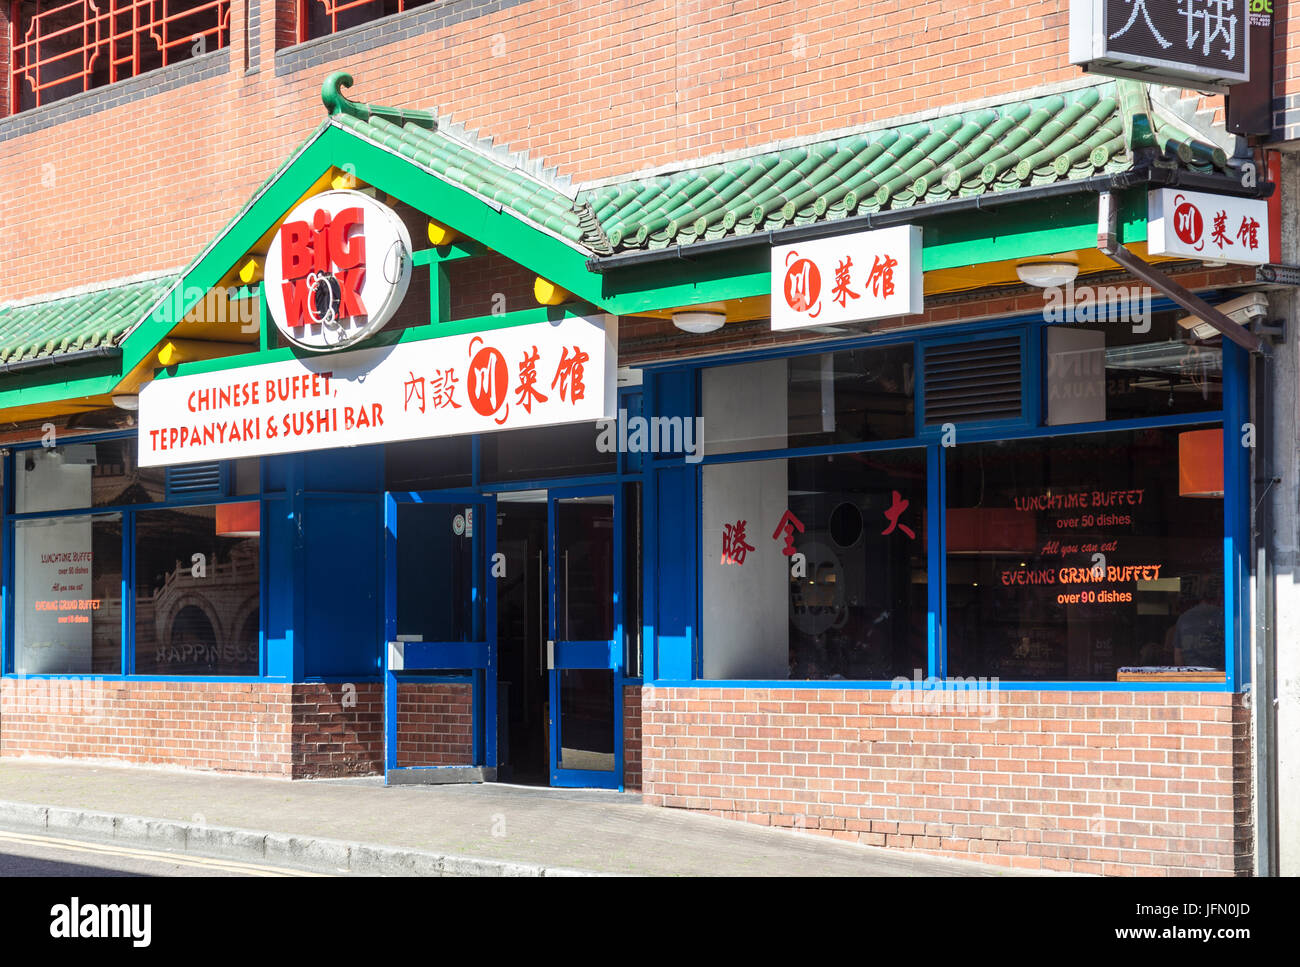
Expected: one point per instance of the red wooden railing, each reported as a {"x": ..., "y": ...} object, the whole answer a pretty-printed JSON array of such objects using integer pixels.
[
  {"x": 63, "y": 47},
  {"x": 320, "y": 18}
]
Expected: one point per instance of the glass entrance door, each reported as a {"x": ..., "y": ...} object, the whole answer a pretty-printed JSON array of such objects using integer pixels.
[
  {"x": 584, "y": 652},
  {"x": 440, "y": 630}
]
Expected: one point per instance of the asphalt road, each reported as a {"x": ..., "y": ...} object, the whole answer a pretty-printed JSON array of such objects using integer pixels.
[{"x": 27, "y": 854}]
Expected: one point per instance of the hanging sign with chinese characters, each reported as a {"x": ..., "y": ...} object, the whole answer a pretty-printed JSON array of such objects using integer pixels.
[
  {"x": 1201, "y": 43},
  {"x": 531, "y": 375},
  {"x": 848, "y": 278},
  {"x": 1215, "y": 228}
]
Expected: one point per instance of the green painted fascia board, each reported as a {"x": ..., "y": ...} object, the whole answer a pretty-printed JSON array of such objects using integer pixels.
[
  {"x": 75, "y": 381},
  {"x": 415, "y": 334},
  {"x": 955, "y": 240}
]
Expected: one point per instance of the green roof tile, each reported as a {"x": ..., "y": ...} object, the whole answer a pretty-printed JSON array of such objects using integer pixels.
[
  {"x": 1059, "y": 137},
  {"x": 71, "y": 323}
]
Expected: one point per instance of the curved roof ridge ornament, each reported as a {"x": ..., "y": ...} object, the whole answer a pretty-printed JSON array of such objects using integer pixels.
[
  {"x": 332, "y": 96},
  {"x": 336, "y": 103}
]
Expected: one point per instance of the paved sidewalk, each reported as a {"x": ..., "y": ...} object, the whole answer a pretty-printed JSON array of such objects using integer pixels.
[{"x": 512, "y": 829}]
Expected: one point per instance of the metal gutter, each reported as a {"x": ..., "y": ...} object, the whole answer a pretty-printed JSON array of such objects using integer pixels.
[
  {"x": 42, "y": 362},
  {"x": 1148, "y": 174}
]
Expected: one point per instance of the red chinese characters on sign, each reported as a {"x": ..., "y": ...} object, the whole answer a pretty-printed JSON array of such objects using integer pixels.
[
  {"x": 803, "y": 286},
  {"x": 489, "y": 379},
  {"x": 789, "y": 523},
  {"x": 734, "y": 547},
  {"x": 526, "y": 392},
  {"x": 1212, "y": 227},
  {"x": 854, "y": 277},
  {"x": 568, "y": 374},
  {"x": 895, "y": 511}
]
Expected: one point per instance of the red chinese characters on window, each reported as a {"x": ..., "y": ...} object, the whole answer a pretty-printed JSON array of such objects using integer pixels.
[
  {"x": 734, "y": 547},
  {"x": 789, "y": 523},
  {"x": 894, "y": 512}
]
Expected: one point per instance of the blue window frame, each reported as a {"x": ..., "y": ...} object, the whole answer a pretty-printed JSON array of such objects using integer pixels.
[
  {"x": 674, "y": 502},
  {"x": 190, "y": 487}
]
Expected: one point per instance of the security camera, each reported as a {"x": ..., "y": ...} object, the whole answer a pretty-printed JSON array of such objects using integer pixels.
[{"x": 1243, "y": 311}]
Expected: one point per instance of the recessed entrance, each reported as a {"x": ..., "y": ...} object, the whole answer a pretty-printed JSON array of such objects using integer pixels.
[{"x": 530, "y": 580}]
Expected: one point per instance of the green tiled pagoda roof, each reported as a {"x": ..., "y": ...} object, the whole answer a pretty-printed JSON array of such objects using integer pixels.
[
  {"x": 1038, "y": 141},
  {"x": 76, "y": 322}
]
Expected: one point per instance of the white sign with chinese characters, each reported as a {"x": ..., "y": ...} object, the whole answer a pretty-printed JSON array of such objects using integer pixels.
[
  {"x": 539, "y": 374},
  {"x": 1215, "y": 228},
  {"x": 848, "y": 278}
]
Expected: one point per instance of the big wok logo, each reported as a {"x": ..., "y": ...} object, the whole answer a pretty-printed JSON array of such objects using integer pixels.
[{"x": 337, "y": 270}]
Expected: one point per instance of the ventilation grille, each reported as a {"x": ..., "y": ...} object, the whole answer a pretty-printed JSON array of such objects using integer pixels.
[
  {"x": 196, "y": 480},
  {"x": 973, "y": 382}
]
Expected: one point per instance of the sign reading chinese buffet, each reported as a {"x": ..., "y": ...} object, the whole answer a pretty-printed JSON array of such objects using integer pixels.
[
  {"x": 848, "y": 278},
  {"x": 1200, "y": 43},
  {"x": 538, "y": 374}
]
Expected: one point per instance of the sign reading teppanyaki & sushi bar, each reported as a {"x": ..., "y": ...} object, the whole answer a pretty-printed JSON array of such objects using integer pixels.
[{"x": 537, "y": 374}]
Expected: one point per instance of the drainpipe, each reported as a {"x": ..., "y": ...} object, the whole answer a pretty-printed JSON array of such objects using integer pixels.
[
  {"x": 1264, "y": 719},
  {"x": 58, "y": 359}
]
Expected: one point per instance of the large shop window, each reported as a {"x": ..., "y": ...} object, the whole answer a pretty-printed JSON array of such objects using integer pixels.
[
  {"x": 68, "y": 595},
  {"x": 853, "y": 605},
  {"x": 852, "y": 396},
  {"x": 119, "y": 569},
  {"x": 1073, "y": 557},
  {"x": 66, "y": 47},
  {"x": 197, "y": 575}
]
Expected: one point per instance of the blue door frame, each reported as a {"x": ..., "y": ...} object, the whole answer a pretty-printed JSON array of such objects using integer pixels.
[
  {"x": 433, "y": 660},
  {"x": 566, "y": 654}
]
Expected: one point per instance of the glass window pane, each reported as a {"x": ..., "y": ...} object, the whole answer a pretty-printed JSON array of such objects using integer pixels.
[
  {"x": 852, "y": 396},
  {"x": 197, "y": 590},
  {"x": 1125, "y": 370},
  {"x": 587, "y": 719},
  {"x": 428, "y": 464},
  {"x": 584, "y": 558},
  {"x": 538, "y": 453},
  {"x": 68, "y": 595},
  {"x": 439, "y": 572},
  {"x": 77, "y": 475},
  {"x": 854, "y": 605},
  {"x": 1071, "y": 558}
]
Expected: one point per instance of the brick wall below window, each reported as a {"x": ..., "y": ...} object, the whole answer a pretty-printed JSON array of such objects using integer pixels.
[{"x": 1086, "y": 782}]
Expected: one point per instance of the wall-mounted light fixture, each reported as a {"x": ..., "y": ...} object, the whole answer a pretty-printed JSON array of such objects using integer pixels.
[{"x": 1047, "y": 274}]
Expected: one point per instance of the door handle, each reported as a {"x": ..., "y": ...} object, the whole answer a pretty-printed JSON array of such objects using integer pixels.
[{"x": 550, "y": 655}]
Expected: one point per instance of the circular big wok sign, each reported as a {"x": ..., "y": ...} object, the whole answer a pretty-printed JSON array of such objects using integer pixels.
[{"x": 337, "y": 270}]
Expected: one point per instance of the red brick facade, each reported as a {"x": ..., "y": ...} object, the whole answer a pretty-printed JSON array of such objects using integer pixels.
[
  {"x": 597, "y": 90},
  {"x": 1086, "y": 782},
  {"x": 632, "y": 738},
  {"x": 295, "y": 731}
]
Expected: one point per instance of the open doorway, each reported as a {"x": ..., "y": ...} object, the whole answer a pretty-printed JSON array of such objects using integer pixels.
[{"x": 523, "y": 621}]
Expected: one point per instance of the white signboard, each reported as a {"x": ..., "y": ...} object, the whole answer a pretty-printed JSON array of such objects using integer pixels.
[
  {"x": 337, "y": 270},
  {"x": 538, "y": 374},
  {"x": 1216, "y": 228},
  {"x": 849, "y": 278}
]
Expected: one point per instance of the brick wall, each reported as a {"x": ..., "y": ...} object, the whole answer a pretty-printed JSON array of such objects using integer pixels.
[
  {"x": 338, "y": 730},
  {"x": 141, "y": 178},
  {"x": 224, "y": 727},
  {"x": 1090, "y": 782},
  {"x": 435, "y": 724},
  {"x": 632, "y": 738}
]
